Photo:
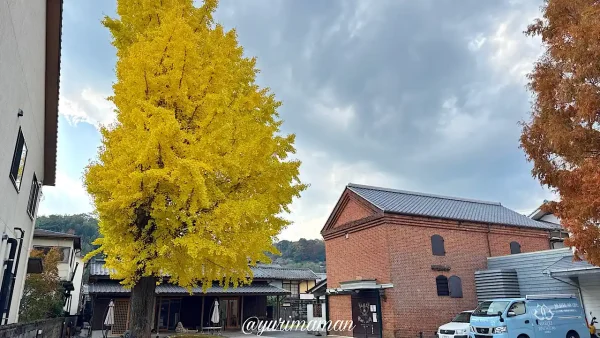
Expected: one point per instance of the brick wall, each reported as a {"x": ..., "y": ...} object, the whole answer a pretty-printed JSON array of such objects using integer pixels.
[
  {"x": 363, "y": 255},
  {"x": 352, "y": 210},
  {"x": 399, "y": 251},
  {"x": 340, "y": 308}
]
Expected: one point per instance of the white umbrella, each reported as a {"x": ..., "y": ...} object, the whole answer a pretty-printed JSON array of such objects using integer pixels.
[
  {"x": 215, "y": 315},
  {"x": 110, "y": 314}
]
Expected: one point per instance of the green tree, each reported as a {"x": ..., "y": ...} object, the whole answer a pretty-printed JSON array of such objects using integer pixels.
[
  {"x": 43, "y": 294},
  {"x": 194, "y": 178}
]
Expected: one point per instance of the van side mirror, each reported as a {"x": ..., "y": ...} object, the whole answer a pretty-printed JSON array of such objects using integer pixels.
[{"x": 500, "y": 315}]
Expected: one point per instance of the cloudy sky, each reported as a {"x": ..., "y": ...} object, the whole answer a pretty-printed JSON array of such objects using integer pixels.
[{"x": 415, "y": 95}]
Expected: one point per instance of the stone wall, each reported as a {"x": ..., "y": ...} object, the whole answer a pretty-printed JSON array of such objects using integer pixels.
[{"x": 47, "y": 328}]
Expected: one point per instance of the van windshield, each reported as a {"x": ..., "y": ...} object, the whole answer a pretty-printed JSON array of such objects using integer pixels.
[
  {"x": 490, "y": 308},
  {"x": 463, "y": 317}
]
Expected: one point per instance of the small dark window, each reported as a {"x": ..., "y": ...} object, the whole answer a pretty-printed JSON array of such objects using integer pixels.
[
  {"x": 442, "y": 286},
  {"x": 437, "y": 245},
  {"x": 18, "y": 162},
  {"x": 33, "y": 197},
  {"x": 455, "y": 286},
  {"x": 317, "y": 310},
  {"x": 293, "y": 287},
  {"x": 515, "y": 248}
]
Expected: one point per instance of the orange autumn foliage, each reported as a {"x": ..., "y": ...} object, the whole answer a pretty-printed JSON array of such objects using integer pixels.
[{"x": 562, "y": 138}]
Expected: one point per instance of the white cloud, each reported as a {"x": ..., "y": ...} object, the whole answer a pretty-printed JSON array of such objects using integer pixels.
[
  {"x": 512, "y": 52},
  {"x": 331, "y": 112},
  {"x": 67, "y": 197},
  {"x": 328, "y": 178},
  {"x": 88, "y": 106}
]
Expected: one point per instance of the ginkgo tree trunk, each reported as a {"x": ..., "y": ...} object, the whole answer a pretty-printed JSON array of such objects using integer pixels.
[{"x": 193, "y": 180}]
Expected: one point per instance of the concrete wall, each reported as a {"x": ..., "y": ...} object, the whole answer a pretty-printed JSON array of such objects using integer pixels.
[
  {"x": 22, "y": 65},
  {"x": 47, "y": 328}
]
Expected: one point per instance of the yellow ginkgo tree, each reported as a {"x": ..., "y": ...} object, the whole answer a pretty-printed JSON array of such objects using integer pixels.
[{"x": 192, "y": 180}]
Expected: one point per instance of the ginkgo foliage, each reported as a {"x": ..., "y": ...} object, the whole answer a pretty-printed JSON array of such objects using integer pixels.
[
  {"x": 194, "y": 179},
  {"x": 562, "y": 139}
]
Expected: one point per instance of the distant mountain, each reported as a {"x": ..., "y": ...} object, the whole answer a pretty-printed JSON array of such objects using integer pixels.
[
  {"x": 84, "y": 225},
  {"x": 304, "y": 253}
]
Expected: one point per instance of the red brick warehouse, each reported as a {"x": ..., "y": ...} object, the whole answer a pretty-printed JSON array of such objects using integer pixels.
[{"x": 400, "y": 263}]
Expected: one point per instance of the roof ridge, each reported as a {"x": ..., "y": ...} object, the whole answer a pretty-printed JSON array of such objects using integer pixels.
[
  {"x": 354, "y": 185},
  {"x": 280, "y": 267},
  {"x": 56, "y": 232}
]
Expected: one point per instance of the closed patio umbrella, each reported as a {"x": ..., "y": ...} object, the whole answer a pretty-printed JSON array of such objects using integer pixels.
[
  {"x": 109, "y": 320},
  {"x": 215, "y": 315},
  {"x": 110, "y": 314}
]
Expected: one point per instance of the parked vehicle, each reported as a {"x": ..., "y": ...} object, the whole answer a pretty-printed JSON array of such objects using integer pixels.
[
  {"x": 592, "y": 327},
  {"x": 547, "y": 316},
  {"x": 457, "y": 328}
]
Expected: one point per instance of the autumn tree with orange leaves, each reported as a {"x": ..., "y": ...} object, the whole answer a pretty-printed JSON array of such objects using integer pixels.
[{"x": 562, "y": 138}]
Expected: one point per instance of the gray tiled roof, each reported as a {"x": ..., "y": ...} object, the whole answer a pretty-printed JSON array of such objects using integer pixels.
[
  {"x": 275, "y": 272},
  {"x": 419, "y": 204},
  {"x": 41, "y": 233},
  {"x": 97, "y": 268},
  {"x": 254, "y": 289}
]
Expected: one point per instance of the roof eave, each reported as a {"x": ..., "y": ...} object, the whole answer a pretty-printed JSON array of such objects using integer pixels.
[
  {"x": 52, "y": 77},
  {"x": 474, "y": 221}
]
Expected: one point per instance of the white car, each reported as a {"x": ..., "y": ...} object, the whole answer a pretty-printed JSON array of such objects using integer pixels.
[{"x": 457, "y": 328}]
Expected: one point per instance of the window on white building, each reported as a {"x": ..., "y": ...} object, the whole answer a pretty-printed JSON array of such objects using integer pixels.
[
  {"x": 18, "y": 162},
  {"x": 33, "y": 197}
]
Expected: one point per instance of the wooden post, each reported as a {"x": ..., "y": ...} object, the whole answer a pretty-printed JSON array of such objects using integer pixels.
[
  {"x": 158, "y": 314},
  {"x": 277, "y": 308},
  {"x": 202, "y": 314},
  {"x": 242, "y": 312}
]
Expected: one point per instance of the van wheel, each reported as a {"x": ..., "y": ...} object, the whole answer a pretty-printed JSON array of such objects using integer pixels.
[
  {"x": 572, "y": 334},
  {"x": 523, "y": 336}
]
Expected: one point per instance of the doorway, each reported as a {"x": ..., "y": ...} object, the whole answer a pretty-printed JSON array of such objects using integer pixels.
[
  {"x": 366, "y": 314},
  {"x": 230, "y": 312},
  {"x": 169, "y": 313}
]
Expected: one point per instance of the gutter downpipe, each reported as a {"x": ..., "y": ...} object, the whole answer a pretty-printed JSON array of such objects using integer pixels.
[
  {"x": 489, "y": 247},
  {"x": 14, "y": 275},
  {"x": 326, "y": 313},
  {"x": 575, "y": 285},
  {"x": 6, "y": 279}
]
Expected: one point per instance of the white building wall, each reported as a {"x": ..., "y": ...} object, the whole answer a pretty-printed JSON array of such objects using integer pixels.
[
  {"x": 22, "y": 65},
  {"x": 590, "y": 294},
  {"x": 550, "y": 218},
  {"x": 317, "y": 324},
  {"x": 64, "y": 268}
]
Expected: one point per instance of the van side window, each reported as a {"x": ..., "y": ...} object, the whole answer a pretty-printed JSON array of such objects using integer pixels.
[{"x": 518, "y": 308}]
